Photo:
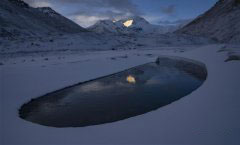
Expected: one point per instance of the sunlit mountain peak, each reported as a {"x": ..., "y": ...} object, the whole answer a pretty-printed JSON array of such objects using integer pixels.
[
  {"x": 130, "y": 79},
  {"x": 128, "y": 23}
]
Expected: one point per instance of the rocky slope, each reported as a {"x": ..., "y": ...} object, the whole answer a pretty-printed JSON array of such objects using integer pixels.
[
  {"x": 221, "y": 22},
  {"x": 19, "y": 19}
]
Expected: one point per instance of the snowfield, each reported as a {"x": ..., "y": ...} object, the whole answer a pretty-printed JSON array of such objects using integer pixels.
[
  {"x": 208, "y": 116},
  {"x": 41, "y": 51}
]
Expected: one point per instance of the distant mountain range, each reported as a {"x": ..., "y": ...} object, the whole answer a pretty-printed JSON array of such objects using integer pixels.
[
  {"x": 133, "y": 25},
  {"x": 25, "y": 30},
  {"x": 221, "y": 22},
  {"x": 19, "y": 19}
]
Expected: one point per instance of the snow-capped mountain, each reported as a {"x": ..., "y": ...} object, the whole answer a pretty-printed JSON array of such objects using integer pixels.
[
  {"x": 107, "y": 26},
  {"x": 19, "y": 19},
  {"x": 221, "y": 22},
  {"x": 131, "y": 25}
]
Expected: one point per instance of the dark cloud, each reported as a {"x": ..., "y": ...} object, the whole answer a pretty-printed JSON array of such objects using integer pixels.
[
  {"x": 171, "y": 9},
  {"x": 120, "y": 5},
  {"x": 92, "y": 9}
]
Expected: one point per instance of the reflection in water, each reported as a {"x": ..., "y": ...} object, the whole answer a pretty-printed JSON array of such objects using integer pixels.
[
  {"x": 130, "y": 79},
  {"x": 114, "y": 98},
  {"x": 93, "y": 87}
]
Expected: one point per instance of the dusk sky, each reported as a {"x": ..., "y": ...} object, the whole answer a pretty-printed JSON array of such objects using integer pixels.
[{"x": 88, "y": 12}]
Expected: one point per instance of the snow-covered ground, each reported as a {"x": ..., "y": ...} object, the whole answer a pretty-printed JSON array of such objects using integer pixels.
[
  {"x": 89, "y": 41},
  {"x": 208, "y": 116}
]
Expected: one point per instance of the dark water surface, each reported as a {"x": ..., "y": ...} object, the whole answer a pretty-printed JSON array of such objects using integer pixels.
[{"x": 116, "y": 97}]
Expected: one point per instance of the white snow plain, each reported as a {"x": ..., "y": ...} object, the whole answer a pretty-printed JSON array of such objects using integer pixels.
[{"x": 208, "y": 116}]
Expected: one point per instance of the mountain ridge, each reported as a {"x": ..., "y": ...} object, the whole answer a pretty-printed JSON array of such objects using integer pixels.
[
  {"x": 19, "y": 19},
  {"x": 221, "y": 22}
]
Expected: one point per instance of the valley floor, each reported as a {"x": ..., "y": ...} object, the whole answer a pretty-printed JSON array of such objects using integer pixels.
[{"x": 210, "y": 115}]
